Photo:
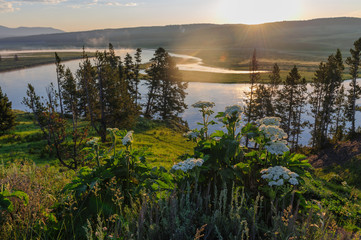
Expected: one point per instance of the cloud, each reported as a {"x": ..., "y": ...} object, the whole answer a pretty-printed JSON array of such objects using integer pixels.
[
  {"x": 6, "y": 6},
  {"x": 40, "y": 1},
  {"x": 131, "y": 4},
  {"x": 89, "y": 4},
  {"x": 12, "y": 5}
]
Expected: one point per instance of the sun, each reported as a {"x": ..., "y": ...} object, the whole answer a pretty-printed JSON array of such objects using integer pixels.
[{"x": 258, "y": 11}]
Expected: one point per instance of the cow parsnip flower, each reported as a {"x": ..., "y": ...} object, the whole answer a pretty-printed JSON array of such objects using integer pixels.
[
  {"x": 279, "y": 175},
  {"x": 233, "y": 111},
  {"x": 203, "y": 104},
  {"x": 188, "y": 164},
  {"x": 269, "y": 121},
  {"x": 274, "y": 133},
  {"x": 128, "y": 138},
  {"x": 93, "y": 141},
  {"x": 277, "y": 147},
  {"x": 112, "y": 129},
  {"x": 192, "y": 134}
]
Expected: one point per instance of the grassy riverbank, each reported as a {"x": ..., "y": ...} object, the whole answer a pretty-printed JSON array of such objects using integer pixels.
[
  {"x": 17, "y": 61},
  {"x": 208, "y": 77},
  {"x": 161, "y": 143},
  {"x": 306, "y": 68}
]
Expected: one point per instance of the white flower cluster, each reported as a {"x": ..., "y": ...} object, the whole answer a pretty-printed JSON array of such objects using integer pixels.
[
  {"x": 128, "y": 138},
  {"x": 274, "y": 133},
  {"x": 278, "y": 175},
  {"x": 273, "y": 121},
  {"x": 93, "y": 141},
  {"x": 191, "y": 134},
  {"x": 277, "y": 147},
  {"x": 112, "y": 129},
  {"x": 188, "y": 164},
  {"x": 270, "y": 127},
  {"x": 203, "y": 104},
  {"x": 233, "y": 111}
]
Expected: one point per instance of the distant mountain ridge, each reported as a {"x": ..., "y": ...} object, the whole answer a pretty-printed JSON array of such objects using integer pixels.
[
  {"x": 6, "y": 32},
  {"x": 317, "y": 35}
]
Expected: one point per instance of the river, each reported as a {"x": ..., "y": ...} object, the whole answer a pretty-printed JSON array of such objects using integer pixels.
[{"x": 14, "y": 84}]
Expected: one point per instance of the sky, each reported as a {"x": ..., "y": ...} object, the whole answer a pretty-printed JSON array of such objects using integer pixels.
[{"x": 82, "y": 15}]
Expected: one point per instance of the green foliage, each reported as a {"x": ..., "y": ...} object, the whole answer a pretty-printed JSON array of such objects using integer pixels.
[
  {"x": 121, "y": 178},
  {"x": 5, "y": 202},
  {"x": 7, "y": 116}
]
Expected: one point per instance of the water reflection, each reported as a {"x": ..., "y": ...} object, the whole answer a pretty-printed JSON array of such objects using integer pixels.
[
  {"x": 14, "y": 84},
  {"x": 147, "y": 54}
]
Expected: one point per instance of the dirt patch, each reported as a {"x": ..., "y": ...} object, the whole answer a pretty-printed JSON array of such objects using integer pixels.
[{"x": 339, "y": 153}]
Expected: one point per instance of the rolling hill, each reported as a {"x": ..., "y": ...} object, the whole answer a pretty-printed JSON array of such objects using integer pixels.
[
  {"x": 317, "y": 34},
  {"x": 306, "y": 41},
  {"x": 6, "y": 32}
]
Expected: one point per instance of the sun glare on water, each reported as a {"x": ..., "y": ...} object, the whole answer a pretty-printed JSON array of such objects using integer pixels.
[{"x": 258, "y": 11}]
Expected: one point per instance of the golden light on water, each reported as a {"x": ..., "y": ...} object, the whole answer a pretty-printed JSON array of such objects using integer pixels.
[{"x": 258, "y": 11}]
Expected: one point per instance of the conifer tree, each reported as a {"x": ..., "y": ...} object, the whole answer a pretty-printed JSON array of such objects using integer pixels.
[
  {"x": 7, "y": 116},
  {"x": 129, "y": 75},
  {"x": 315, "y": 100},
  {"x": 326, "y": 84},
  {"x": 297, "y": 123},
  {"x": 254, "y": 77},
  {"x": 275, "y": 79},
  {"x": 338, "y": 129},
  {"x": 86, "y": 81},
  {"x": 59, "y": 77},
  {"x": 70, "y": 96},
  {"x": 166, "y": 91},
  {"x": 262, "y": 104},
  {"x": 138, "y": 61},
  {"x": 264, "y": 95},
  {"x": 355, "y": 90},
  {"x": 34, "y": 103},
  {"x": 289, "y": 105}
]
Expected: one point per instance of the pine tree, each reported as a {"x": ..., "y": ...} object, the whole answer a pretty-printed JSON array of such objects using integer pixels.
[
  {"x": 262, "y": 104},
  {"x": 254, "y": 77},
  {"x": 166, "y": 91},
  {"x": 289, "y": 105},
  {"x": 297, "y": 123},
  {"x": 34, "y": 103},
  {"x": 315, "y": 100},
  {"x": 86, "y": 81},
  {"x": 331, "y": 87},
  {"x": 327, "y": 82},
  {"x": 275, "y": 79},
  {"x": 153, "y": 84},
  {"x": 70, "y": 96},
  {"x": 264, "y": 95},
  {"x": 129, "y": 75},
  {"x": 338, "y": 130},
  {"x": 355, "y": 90},
  {"x": 7, "y": 116},
  {"x": 59, "y": 77},
  {"x": 138, "y": 61}
]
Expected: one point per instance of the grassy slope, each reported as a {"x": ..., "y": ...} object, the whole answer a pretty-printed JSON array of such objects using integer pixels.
[
  {"x": 26, "y": 60},
  {"x": 162, "y": 144}
]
